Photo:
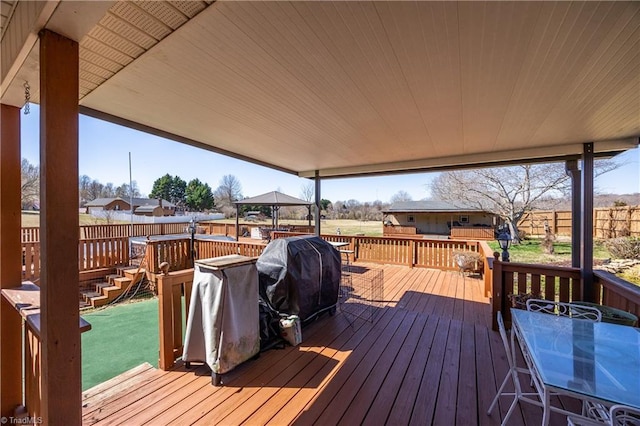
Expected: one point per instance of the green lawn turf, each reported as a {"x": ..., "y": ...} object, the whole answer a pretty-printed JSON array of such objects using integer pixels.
[
  {"x": 530, "y": 251},
  {"x": 121, "y": 337}
]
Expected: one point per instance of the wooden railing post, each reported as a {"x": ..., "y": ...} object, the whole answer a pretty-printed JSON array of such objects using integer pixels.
[
  {"x": 165, "y": 323},
  {"x": 170, "y": 314},
  {"x": 498, "y": 296}
]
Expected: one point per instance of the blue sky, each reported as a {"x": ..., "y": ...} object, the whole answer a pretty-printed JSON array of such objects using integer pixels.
[{"x": 105, "y": 147}]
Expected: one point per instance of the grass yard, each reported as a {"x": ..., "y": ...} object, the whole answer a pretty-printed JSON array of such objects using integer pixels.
[
  {"x": 30, "y": 219},
  {"x": 530, "y": 251},
  {"x": 121, "y": 337}
]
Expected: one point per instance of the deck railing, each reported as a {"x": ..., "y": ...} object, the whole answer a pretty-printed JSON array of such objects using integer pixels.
[
  {"x": 472, "y": 233},
  {"x": 97, "y": 253},
  {"x": 93, "y": 254},
  {"x": 419, "y": 252},
  {"x": 29, "y": 234},
  {"x": 390, "y": 230},
  {"x": 558, "y": 283},
  {"x": 174, "y": 295},
  {"x": 616, "y": 292}
]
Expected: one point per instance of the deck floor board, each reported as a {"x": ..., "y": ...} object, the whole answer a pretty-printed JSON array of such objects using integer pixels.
[{"x": 424, "y": 354}]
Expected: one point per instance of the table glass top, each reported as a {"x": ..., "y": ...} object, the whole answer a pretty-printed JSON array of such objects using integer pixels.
[{"x": 601, "y": 360}]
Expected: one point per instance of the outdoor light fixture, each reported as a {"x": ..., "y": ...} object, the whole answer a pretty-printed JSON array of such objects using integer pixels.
[{"x": 504, "y": 239}]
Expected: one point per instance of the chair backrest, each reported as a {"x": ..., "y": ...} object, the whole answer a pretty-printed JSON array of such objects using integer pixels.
[
  {"x": 505, "y": 339},
  {"x": 564, "y": 309},
  {"x": 622, "y": 415}
]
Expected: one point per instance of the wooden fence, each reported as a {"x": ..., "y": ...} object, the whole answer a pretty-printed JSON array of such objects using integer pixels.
[
  {"x": 473, "y": 233},
  {"x": 610, "y": 222},
  {"x": 391, "y": 230}
]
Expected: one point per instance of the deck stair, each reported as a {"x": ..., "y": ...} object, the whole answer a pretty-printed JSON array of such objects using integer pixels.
[{"x": 110, "y": 289}]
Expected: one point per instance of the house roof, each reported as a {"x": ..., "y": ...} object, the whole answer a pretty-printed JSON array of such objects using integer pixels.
[
  {"x": 430, "y": 206},
  {"x": 101, "y": 202},
  {"x": 348, "y": 88},
  {"x": 273, "y": 198},
  {"x": 147, "y": 209}
]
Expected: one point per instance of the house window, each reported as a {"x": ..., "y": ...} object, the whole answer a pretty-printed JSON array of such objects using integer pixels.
[
  {"x": 411, "y": 218},
  {"x": 464, "y": 218}
]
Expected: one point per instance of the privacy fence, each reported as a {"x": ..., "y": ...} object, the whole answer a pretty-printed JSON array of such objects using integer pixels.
[{"x": 610, "y": 222}]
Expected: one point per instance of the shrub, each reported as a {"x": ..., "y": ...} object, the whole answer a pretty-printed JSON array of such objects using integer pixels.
[{"x": 624, "y": 248}]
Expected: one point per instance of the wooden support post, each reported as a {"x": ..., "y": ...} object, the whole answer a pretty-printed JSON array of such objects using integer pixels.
[
  {"x": 574, "y": 172},
  {"x": 10, "y": 260},
  {"x": 586, "y": 229},
  {"x": 61, "y": 364},
  {"x": 498, "y": 296},
  {"x": 317, "y": 203}
]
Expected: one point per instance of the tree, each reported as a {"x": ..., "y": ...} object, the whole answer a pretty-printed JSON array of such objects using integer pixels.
[
  {"x": 307, "y": 191},
  {"x": 509, "y": 192},
  {"x": 123, "y": 191},
  {"x": 198, "y": 196},
  {"x": 324, "y": 204},
  {"x": 83, "y": 187},
  {"x": 170, "y": 188},
  {"x": 30, "y": 184},
  {"x": 228, "y": 192},
  {"x": 400, "y": 197}
]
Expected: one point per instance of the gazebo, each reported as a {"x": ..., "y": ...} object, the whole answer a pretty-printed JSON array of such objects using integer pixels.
[{"x": 275, "y": 200}]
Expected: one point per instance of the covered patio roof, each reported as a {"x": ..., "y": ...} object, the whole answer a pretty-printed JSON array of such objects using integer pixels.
[
  {"x": 350, "y": 88},
  {"x": 317, "y": 89}
]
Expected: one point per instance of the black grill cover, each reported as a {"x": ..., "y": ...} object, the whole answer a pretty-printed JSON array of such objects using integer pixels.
[{"x": 299, "y": 275}]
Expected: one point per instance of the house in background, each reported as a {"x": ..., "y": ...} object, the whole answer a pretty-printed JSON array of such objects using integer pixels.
[
  {"x": 436, "y": 218},
  {"x": 141, "y": 206}
]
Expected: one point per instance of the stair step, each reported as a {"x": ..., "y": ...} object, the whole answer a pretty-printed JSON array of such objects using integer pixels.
[
  {"x": 131, "y": 273},
  {"x": 99, "y": 301},
  {"x": 121, "y": 282},
  {"x": 111, "y": 289},
  {"x": 112, "y": 277},
  {"x": 100, "y": 286},
  {"x": 88, "y": 294}
]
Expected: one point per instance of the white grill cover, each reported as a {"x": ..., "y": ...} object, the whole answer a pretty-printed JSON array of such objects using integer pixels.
[{"x": 223, "y": 324}]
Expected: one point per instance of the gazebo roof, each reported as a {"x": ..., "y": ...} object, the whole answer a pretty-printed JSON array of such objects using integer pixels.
[{"x": 273, "y": 198}]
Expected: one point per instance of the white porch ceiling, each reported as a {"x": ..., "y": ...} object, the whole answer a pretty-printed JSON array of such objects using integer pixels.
[{"x": 360, "y": 87}]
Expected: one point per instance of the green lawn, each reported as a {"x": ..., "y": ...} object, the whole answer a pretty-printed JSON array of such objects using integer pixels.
[
  {"x": 530, "y": 251},
  {"x": 121, "y": 337}
]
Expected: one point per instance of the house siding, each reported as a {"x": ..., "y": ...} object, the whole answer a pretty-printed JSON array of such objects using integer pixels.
[{"x": 438, "y": 223}]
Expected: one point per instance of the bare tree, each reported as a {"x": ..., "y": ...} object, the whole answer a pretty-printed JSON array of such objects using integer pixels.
[
  {"x": 30, "y": 180},
  {"x": 229, "y": 191},
  {"x": 400, "y": 196},
  {"x": 307, "y": 191},
  {"x": 508, "y": 191}
]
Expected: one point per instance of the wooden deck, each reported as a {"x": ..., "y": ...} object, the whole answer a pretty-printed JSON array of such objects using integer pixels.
[{"x": 427, "y": 357}]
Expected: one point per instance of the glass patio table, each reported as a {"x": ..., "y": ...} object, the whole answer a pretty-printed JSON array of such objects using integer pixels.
[{"x": 593, "y": 361}]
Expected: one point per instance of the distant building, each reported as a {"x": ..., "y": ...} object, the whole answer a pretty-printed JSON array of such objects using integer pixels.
[
  {"x": 433, "y": 217},
  {"x": 141, "y": 206}
]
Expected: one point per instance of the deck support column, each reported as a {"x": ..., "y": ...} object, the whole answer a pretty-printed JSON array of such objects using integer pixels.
[
  {"x": 317, "y": 203},
  {"x": 576, "y": 201},
  {"x": 10, "y": 260},
  {"x": 60, "y": 333},
  {"x": 586, "y": 227}
]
